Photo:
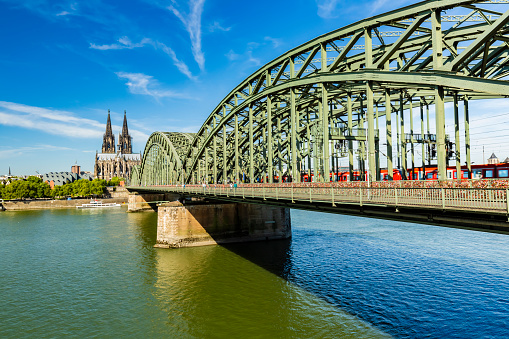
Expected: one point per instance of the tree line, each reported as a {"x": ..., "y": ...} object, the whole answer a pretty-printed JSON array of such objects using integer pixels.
[{"x": 34, "y": 187}]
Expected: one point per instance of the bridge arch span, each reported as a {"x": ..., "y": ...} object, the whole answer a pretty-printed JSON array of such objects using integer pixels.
[
  {"x": 347, "y": 92},
  {"x": 163, "y": 159}
]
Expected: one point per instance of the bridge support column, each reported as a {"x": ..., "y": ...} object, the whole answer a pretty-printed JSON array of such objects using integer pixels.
[{"x": 200, "y": 225}]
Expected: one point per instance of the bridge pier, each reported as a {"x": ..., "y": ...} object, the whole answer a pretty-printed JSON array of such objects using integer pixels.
[{"x": 208, "y": 224}]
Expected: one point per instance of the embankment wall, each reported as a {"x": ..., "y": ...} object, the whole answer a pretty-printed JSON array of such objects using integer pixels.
[{"x": 47, "y": 204}]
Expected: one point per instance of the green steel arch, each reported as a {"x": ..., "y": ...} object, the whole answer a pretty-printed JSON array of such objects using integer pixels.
[
  {"x": 135, "y": 176},
  {"x": 343, "y": 92},
  {"x": 163, "y": 158}
]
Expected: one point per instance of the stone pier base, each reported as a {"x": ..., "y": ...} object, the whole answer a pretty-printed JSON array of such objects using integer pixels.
[
  {"x": 148, "y": 202},
  {"x": 199, "y": 225}
]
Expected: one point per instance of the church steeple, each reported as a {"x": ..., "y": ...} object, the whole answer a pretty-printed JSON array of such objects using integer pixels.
[
  {"x": 108, "y": 138},
  {"x": 124, "y": 140},
  {"x": 125, "y": 130}
]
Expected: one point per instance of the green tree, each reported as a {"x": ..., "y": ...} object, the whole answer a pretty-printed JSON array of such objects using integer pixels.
[{"x": 115, "y": 181}]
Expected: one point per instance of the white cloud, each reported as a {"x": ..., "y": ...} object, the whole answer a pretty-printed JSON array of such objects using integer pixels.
[
  {"x": 63, "y": 13},
  {"x": 182, "y": 67},
  {"x": 232, "y": 56},
  {"x": 326, "y": 8},
  {"x": 216, "y": 26},
  {"x": 275, "y": 42},
  {"x": 124, "y": 43},
  {"x": 139, "y": 83},
  {"x": 55, "y": 122},
  {"x": 12, "y": 152},
  {"x": 192, "y": 24}
]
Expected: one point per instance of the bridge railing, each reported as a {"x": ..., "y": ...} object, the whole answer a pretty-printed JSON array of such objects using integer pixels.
[{"x": 479, "y": 199}]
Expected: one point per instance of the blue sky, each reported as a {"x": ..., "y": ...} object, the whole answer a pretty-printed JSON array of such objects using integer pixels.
[{"x": 167, "y": 62}]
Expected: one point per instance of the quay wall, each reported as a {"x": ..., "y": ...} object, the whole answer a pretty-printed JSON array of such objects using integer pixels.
[{"x": 49, "y": 204}]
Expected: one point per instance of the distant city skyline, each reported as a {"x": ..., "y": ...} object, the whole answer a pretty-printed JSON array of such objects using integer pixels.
[{"x": 168, "y": 63}]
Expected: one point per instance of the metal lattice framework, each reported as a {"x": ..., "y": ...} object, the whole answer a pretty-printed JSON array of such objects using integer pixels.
[
  {"x": 325, "y": 98},
  {"x": 163, "y": 159}
]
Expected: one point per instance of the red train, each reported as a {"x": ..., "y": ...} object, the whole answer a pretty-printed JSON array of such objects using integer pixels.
[{"x": 486, "y": 171}]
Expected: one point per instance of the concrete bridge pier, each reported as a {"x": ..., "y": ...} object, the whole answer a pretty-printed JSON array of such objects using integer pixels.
[{"x": 208, "y": 224}]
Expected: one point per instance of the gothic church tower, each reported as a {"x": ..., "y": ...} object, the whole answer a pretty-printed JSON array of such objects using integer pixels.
[
  {"x": 124, "y": 140},
  {"x": 108, "y": 138}
]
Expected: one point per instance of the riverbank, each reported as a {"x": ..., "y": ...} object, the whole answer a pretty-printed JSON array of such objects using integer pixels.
[{"x": 23, "y": 205}]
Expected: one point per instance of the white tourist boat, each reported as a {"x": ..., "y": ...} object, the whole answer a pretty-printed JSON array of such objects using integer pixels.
[{"x": 98, "y": 204}]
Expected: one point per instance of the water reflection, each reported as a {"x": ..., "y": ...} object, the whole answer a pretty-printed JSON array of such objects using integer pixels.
[{"x": 214, "y": 291}]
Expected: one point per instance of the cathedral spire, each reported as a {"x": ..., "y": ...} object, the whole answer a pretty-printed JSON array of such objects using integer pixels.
[
  {"x": 108, "y": 138},
  {"x": 108, "y": 125},
  {"x": 125, "y": 130},
  {"x": 124, "y": 139}
]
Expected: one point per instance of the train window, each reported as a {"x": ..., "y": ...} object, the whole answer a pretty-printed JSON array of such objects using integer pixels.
[
  {"x": 488, "y": 174},
  {"x": 476, "y": 174},
  {"x": 429, "y": 175},
  {"x": 449, "y": 174},
  {"x": 465, "y": 174},
  {"x": 503, "y": 173},
  {"x": 455, "y": 176},
  {"x": 415, "y": 176}
]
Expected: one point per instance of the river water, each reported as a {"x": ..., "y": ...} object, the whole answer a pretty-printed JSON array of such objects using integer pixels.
[{"x": 95, "y": 273}]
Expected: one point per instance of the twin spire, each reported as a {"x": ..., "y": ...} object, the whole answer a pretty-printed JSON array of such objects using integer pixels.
[{"x": 124, "y": 139}]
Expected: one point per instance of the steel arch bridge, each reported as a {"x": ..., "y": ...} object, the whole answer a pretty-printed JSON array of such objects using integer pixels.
[{"x": 345, "y": 94}]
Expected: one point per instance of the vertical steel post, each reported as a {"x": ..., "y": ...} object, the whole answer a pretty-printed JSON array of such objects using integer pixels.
[
  {"x": 350, "y": 141},
  {"x": 371, "y": 131},
  {"x": 388, "y": 112},
  {"x": 293, "y": 128},
  {"x": 412, "y": 137},
  {"x": 440, "y": 128},
  {"x": 269, "y": 140},
  {"x": 325, "y": 131},
  {"x": 467, "y": 136},
  {"x": 402, "y": 135},
  {"x": 457, "y": 147},
  {"x": 308, "y": 134},
  {"x": 398, "y": 136},
  {"x": 236, "y": 179},
  {"x": 214, "y": 140},
  {"x": 251, "y": 146},
  {"x": 423, "y": 150},
  {"x": 377, "y": 144},
  {"x": 280, "y": 162},
  {"x": 325, "y": 116},
  {"x": 225, "y": 173},
  {"x": 437, "y": 47}
]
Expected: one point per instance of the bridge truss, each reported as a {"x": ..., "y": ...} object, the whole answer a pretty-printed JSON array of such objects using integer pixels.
[{"x": 344, "y": 94}]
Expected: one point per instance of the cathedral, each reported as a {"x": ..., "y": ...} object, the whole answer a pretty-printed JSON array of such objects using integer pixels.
[{"x": 116, "y": 161}]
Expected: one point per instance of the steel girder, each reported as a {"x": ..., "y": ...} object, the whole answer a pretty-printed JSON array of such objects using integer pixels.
[{"x": 279, "y": 120}]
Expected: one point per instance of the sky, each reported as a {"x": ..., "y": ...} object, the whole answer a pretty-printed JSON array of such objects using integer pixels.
[{"x": 168, "y": 63}]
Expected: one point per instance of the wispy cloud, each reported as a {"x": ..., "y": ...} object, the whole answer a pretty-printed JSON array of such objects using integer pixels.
[
  {"x": 216, "y": 26},
  {"x": 275, "y": 42},
  {"x": 182, "y": 67},
  {"x": 19, "y": 151},
  {"x": 55, "y": 122},
  {"x": 63, "y": 13},
  {"x": 327, "y": 8},
  {"x": 123, "y": 43},
  {"x": 192, "y": 23},
  {"x": 139, "y": 83},
  {"x": 126, "y": 43}
]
